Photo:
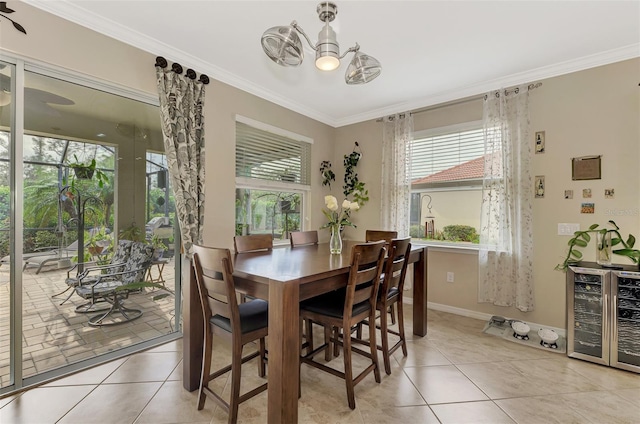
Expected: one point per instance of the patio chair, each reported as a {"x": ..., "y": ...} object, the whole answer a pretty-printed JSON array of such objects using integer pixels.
[
  {"x": 113, "y": 288},
  {"x": 45, "y": 255},
  {"x": 88, "y": 275}
]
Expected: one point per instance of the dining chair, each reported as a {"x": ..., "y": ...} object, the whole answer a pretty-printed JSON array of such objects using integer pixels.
[
  {"x": 375, "y": 235},
  {"x": 241, "y": 323},
  {"x": 343, "y": 309},
  {"x": 302, "y": 238},
  {"x": 390, "y": 294},
  {"x": 253, "y": 243}
]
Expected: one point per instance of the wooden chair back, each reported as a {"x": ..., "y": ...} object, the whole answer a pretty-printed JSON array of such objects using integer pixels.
[
  {"x": 375, "y": 235},
  {"x": 301, "y": 238},
  {"x": 252, "y": 243},
  {"x": 367, "y": 261},
  {"x": 216, "y": 289},
  {"x": 395, "y": 267}
]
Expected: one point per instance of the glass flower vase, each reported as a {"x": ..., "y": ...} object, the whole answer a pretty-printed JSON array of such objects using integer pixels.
[
  {"x": 335, "y": 243},
  {"x": 603, "y": 248}
]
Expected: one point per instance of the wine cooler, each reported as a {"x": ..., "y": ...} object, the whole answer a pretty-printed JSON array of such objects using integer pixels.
[{"x": 603, "y": 315}]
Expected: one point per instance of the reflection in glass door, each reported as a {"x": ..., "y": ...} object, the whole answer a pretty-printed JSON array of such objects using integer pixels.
[{"x": 82, "y": 188}]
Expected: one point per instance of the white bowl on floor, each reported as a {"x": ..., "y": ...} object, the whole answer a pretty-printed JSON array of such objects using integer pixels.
[
  {"x": 520, "y": 328},
  {"x": 548, "y": 336}
]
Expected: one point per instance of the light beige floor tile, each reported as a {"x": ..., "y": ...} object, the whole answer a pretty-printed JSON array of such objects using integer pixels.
[
  {"x": 541, "y": 409},
  {"x": 176, "y": 375},
  {"x": 632, "y": 395},
  {"x": 606, "y": 377},
  {"x": 91, "y": 376},
  {"x": 43, "y": 405},
  {"x": 173, "y": 404},
  {"x": 419, "y": 355},
  {"x": 146, "y": 367},
  {"x": 443, "y": 384},
  {"x": 471, "y": 412},
  {"x": 173, "y": 346},
  {"x": 604, "y": 407},
  {"x": 400, "y": 414},
  {"x": 112, "y": 403},
  {"x": 6, "y": 400}
]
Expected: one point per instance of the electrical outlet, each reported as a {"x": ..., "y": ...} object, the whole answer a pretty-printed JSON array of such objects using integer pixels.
[{"x": 449, "y": 277}]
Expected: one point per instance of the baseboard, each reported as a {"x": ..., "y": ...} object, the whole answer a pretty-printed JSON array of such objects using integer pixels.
[{"x": 480, "y": 315}]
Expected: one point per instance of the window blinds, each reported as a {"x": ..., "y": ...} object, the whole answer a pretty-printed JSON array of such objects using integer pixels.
[
  {"x": 263, "y": 155},
  {"x": 437, "y": 153}
]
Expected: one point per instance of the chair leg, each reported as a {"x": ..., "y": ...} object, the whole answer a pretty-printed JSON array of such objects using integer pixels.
[
  {"x": 373, "y": 346},
  {"x": 236, "y": 368},
  {"x": 309, "y": 336},
  {"x": 327, "y": 339},
  {"x": 348, "y": 370},
  {"x": 261, "y": 358},
  {"x": 384, "y": 335},
  {"x": 403, "y": 339},
  {"x": 393, "y": 315},
  {"x": 336, "y": 346},
  {"x": 206, "y": 369}
]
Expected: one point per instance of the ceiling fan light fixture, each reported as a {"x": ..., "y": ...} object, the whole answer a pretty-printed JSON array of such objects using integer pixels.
[
  {"x": 362, "y": 69},
  {"x": 282, "y": 44}
]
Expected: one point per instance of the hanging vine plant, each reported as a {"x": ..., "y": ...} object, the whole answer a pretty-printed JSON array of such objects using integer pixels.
[
  {"x": 327, "y": 174},
  {"x": 352, "y": 185}
]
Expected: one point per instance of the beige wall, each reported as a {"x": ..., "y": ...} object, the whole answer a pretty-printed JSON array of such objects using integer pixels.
[{"x": 591, "y": 112}]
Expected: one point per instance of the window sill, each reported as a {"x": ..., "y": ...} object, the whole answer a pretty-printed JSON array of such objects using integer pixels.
[{"x": 449, "y": 247}]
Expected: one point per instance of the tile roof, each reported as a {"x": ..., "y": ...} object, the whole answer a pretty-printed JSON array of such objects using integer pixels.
[{"x": 471, "y": 170}]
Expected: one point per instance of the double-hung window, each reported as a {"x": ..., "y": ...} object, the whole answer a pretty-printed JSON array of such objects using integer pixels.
[
  {"x": 446, "y": 182},
  {"x": 273, "y": 177}
]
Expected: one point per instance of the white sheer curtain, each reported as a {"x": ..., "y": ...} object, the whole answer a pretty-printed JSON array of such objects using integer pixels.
[
  {"x": 506, "y": 225},
  {"x": 396, "y": 187}
]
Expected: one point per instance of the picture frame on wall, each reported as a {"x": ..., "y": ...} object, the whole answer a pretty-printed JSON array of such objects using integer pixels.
[
  {"x": 539, "y": 186},
  {"x": 586, "y": 168},
  {"x": 568, "y": 194},
  {"x": 540, "y": 142}
]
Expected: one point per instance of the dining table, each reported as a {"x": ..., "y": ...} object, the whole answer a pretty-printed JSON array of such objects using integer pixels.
[{"x": 285, "y": 276}]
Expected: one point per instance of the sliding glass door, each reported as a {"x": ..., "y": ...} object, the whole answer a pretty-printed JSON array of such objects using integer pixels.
[{"x": 71, "y": 218}]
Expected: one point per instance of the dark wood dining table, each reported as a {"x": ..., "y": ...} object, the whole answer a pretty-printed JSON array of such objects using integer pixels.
[{"x": 285, "y": 276}]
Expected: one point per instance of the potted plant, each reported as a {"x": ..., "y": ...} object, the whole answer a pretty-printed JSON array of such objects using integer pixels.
[
  {"x": 132, "y": 232},
  {"x": 98, "y": 242},
  {"x": 158, "y": 247},
  {"x": 606, "y": 240},
  {"x": 86, "y": 170}
]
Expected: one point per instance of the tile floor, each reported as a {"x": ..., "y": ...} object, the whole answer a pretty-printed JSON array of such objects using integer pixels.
[{"x": 456, "y": 374}]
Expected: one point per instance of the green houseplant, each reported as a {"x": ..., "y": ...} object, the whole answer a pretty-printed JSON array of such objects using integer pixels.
[
  {"x": 581, "y": 239},
  {"x": 86, "y": 170}
]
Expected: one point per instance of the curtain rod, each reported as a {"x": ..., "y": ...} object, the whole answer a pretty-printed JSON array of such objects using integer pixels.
[
  {"x": 464, "y": 100},
  {"x": 177, "y": 68}
]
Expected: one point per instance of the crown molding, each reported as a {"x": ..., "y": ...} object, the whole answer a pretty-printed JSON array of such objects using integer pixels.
[{"x": 73, "y": 13}]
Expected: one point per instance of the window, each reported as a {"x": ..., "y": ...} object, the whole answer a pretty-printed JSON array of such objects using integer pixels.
[
  {"x": 273, "y": 174},
  {"x": 446, "y": 183}
]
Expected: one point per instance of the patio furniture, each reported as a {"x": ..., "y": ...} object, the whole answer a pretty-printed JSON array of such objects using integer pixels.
[
  {"x": 222, "y": 315},
  {"x": 49, "y": 255},
  {"x": 343, "y": 309},
  {"x": 90, "y": 272},
  {"x": 115, "y": 287}
]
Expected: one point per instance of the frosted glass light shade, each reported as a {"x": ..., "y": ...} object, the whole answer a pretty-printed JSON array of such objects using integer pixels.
[
  {"x": 362, "y": 69},
  {"x": 282, "y": 45}
]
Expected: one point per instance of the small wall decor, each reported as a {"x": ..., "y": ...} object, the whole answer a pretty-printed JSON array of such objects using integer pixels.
[
  {"x": 587, "y": 208},
  {"x": 5, "y": 9},
  {"x": 539, "y": 142},
  {"x": 586, "y": 168},
  {"x": 539, "y": 186},
  {"x": 568, "y": 194},
  {"x": 609, "y": 193},
  {"x": 586, "y": 193}
]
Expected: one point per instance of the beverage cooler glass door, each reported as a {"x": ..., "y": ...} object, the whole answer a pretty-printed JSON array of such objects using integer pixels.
[
  {"x": 588, "y": 307},
  {"x": 625, "y": 335}
]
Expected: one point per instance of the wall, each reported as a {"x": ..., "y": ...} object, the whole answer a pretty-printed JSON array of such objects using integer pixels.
[
  {"x": 591, "y": 112},
  {"x": 52, "y": 40}
]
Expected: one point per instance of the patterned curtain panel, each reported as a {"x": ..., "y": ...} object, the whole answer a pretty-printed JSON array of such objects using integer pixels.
[
  {"x": 181, "y": 110},
  {"x": 396, "y": 187},
  {"x": 506, "y": 224}
]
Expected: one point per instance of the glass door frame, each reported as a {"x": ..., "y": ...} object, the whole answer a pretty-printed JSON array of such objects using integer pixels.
[{"x": 16, "y": 231}]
